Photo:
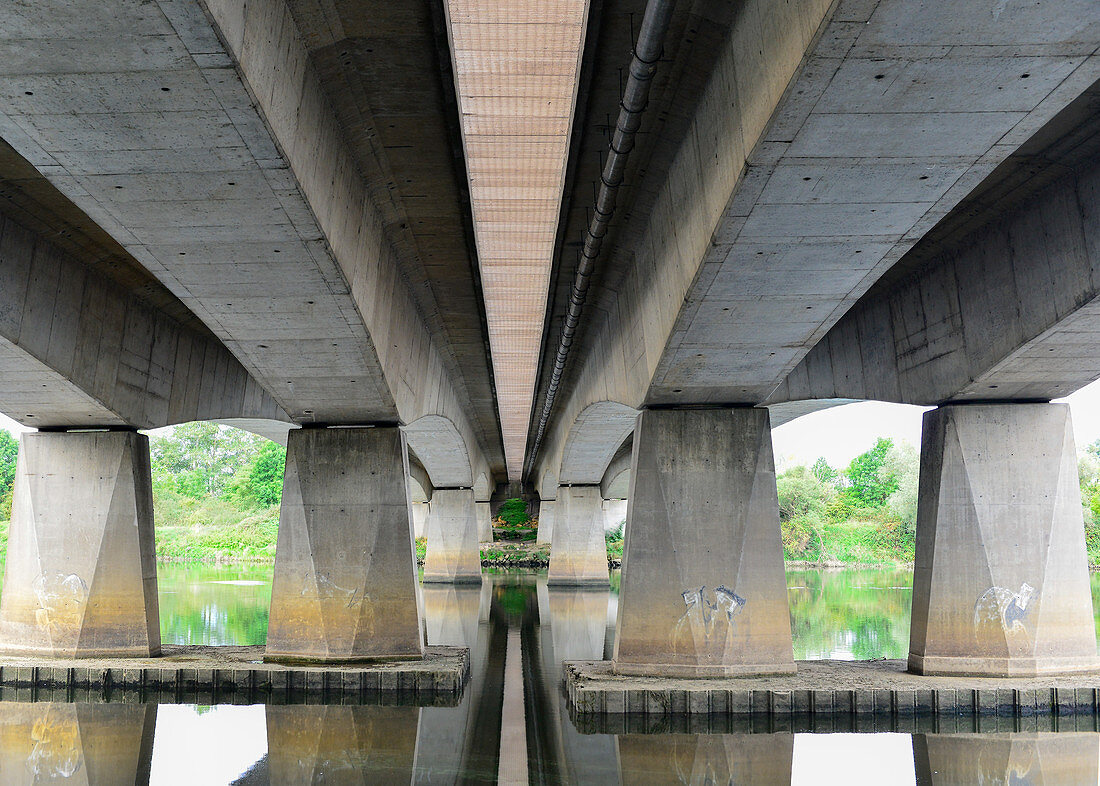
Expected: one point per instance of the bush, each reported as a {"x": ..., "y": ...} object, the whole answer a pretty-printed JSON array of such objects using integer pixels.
[
  {"x": 802, "y": 493},
  {"x": 513, "y": 513},
  {"x": 803, "y": 538}
]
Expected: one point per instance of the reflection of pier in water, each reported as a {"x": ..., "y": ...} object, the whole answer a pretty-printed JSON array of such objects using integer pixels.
[{"x": 1033, "y": 758}]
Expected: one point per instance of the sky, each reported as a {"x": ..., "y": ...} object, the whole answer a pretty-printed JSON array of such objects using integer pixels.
[{"x": 842, "y": 433}]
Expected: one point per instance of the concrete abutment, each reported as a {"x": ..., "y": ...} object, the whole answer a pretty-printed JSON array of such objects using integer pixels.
[
  {"x": 1001, "y": 583},
  {"x": 81, "y": 576},
  {"x": 345, "y": 585},
  {"x": 703, "y": 591}
]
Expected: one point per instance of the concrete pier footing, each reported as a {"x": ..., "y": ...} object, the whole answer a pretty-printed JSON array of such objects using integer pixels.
[
  {"x": 703, "y": 593},
  {"x": 578, "y": 551},
  {"x": 1001, "y": 584},
  {"x": 345, "y": 584},
  {"x": 81, "y": 577},
  {"x": 454, "y": 548}
]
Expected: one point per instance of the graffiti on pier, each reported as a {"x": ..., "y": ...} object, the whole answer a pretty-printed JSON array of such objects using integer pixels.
[
  {"x": 706, "y": 623},
  {"x": 1001, "y": 608},
  {"x": 61, "y": 601}
]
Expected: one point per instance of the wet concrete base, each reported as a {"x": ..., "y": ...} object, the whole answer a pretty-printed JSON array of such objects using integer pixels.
[
  {"x": 827, "y": 688},
  {"x": 238, "y": 675}
]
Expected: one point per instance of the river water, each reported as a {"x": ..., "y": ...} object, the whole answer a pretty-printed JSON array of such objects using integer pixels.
[{"x": 512, "y": 725}]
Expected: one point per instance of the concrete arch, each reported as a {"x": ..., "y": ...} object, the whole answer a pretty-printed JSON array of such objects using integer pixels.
[
  {"x": 616, "y": 478},
  {"x": 437, "y": 443},
  {"x": 594, "y": 439}
]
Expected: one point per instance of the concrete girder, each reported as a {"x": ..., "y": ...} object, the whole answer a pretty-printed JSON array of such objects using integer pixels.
[
  {"x": 773, "y": 219},
  {"x": 1012, "y": 311},
  {"x": 78, "y": 350},
  {"x": 198, "y": 136}
]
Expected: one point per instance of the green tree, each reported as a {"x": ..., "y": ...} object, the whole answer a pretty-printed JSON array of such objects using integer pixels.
[
  {"x": 259, "y": 483},
  {"x": 903, "y": 463},
  {"x": 802, "y": 493},
  {"x": 202, "y": 458},
  {"x": 9, "y": 450},
  {"x": 871, "y": 480},
  {"x": 824, "y": 472}
]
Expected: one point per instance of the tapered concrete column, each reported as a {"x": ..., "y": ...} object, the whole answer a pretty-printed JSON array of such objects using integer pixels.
[
  {"x": 484, "y": 522},
  {"x": 1001, "y": 585},
  {"x": 419, "y": 518},
  {"x": 1064, "y": 757},
  {"x": 703, "y": 588},
  {"x": 81, "y": 578},
  {"x": 345, "y": 584},
  {"x": 454, "y": 550},
  {"x": 578, "y": 551},
  {"x": 546, "y": 520},
  {"x": 106, "y": 744},
  {"x": 758, "y": 759}
]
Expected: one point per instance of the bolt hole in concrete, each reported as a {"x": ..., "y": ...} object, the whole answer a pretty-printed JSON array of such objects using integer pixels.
[{"x": 519, "y": 630}]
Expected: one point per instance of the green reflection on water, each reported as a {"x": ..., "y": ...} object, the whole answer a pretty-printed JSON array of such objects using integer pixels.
[{"x": 197, "y": 606}]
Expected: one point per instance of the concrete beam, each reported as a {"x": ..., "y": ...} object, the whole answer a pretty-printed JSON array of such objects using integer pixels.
[
  {"x": 81, "y": 579},
  {"x": 345, "y": 584},
  {"x": 76, "y": 349},
  {"x": 198, "y": 136},
  {"x": 1001, "y": 585},
  {"x": 1009, "y": 311}
]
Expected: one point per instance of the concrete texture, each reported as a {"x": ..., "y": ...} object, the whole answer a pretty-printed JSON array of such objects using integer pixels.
[
  {"x": 798, "y": 177},
  {"x": 866, "y": 688},
  {"x": 80, "y": 579},
  {"x": 547, "y": 513},
  {"x": 222, "y": 168},
  {"x": 484, "y": 513},
  {"x": 77, "y": 349},
  {"x": 703, "y": 588},
  {"x": 760, "y": 759},
  {"x": 1001, "y": 582},
  {"x": 238, "y": 675},
  {"x": 94, "y": 744},
  {"x": 349, "y": 744},
  {"x": 345, "y": 584},
  {"x": 1069, "y": 758},
  {"x": 578, "y": 553},
  {"x": 454, "y": 548}
]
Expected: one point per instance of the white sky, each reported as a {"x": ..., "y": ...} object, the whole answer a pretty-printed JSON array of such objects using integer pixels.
[{"x": 842, "y": 433}]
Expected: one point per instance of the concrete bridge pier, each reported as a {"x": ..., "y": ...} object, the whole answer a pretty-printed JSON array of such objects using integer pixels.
[
  {"x": 703, "y": 588},
  {"x": 345, "y": 584},
  {"x": 578, "y": 551},
  {"x": 1001, "y": 585},
  {"x": 484, "y": 521},
  {"x": 546, "y": 520},
  {"x": 81, "y": 578},
  {"x": 454, "y": 548}
]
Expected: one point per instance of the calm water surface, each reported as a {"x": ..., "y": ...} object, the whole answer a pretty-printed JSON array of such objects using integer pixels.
[{"x": 512, "y": 617}]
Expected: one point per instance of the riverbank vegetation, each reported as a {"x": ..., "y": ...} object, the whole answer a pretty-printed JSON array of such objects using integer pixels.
[{"x": 216, "y": 494}]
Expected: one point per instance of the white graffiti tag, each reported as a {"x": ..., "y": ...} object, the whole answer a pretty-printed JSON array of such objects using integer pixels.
[
  {"x": 706, "y": 623},
  {"x": 1000, "y": 606}
]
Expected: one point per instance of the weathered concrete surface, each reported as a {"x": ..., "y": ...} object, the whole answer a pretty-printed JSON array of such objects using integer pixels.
[
  {"x": 238, "y": 675},
  {"x": 81, "y": 579},
  {"x": 547, "y": 512},
  {"x": 828, "y": 688},
  {"x": 221, "y": 167},
  {"x": 345, "y": 584},
  {"x": 49, "y": 742},
  {"x": 454, "y": 548},
  {"x": 348, "y": 744},
  {"x": 1067, "y": 758},
  {"x": 828, "y": 138},
  {"x": 763, "y": 759},
  {"x": 76, "y": 349},
  {"x": 578, "y": 552},
  {"x": 1001, "y": 583},
  {"x": 703, "y": 589},
  {"x": 484, "y": 513}
]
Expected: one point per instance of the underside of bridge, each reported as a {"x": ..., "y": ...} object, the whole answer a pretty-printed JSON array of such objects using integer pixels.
[{"x": 575, "y": 250}]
